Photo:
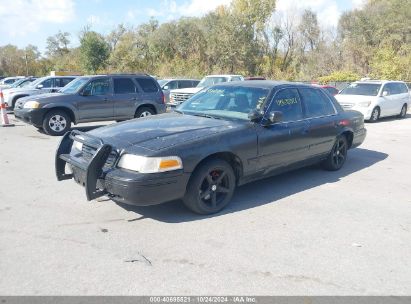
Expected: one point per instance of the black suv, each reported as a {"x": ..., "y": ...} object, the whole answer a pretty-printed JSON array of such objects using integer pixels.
[{"x": 93, "y": 98}]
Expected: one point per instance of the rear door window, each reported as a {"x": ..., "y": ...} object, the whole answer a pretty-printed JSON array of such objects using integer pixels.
[
  {"x": 124, "y": 86},
  {"x": 61, "y": 82},
  {"x": 316, "y": 103},
  {"x": 288, "y": 102},
  {"x": 147, "y": 85}
]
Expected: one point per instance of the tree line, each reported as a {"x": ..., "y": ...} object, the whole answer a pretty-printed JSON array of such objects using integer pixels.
[{"x": 248, "y": 37}]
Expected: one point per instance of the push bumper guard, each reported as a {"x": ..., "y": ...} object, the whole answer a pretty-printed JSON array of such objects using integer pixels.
[{"x": 93, "y": 170}]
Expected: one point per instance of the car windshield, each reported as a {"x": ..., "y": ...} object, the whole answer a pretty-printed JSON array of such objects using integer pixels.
[
  {"x": 36, "y": 82},
  {"x": 367, "y": 89},
  {"x": 225, "y": 102},
  {"x": 209, "y": 81},
  {"x": 18, "y": 83},
  {"x": 74, "y": 86},
  {"x": 25, "y": 83}
]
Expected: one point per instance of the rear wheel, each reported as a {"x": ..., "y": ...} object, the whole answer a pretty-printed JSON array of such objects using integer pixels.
[
  {"x": 403, "y": 112},
  {"x": 338, "y": 154},
  {"x": 144, "y": 112},
  {"x": 56, "y": 123},
  {"x": 375, "y": 114},
  {"x": 211, "y": 187}
]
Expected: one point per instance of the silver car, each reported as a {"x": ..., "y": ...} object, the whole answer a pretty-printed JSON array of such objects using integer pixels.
[{"x": 42, "y": 85}]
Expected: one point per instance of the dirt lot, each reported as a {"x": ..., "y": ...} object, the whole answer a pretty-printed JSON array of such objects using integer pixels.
[{"x": 307, "y": 232}]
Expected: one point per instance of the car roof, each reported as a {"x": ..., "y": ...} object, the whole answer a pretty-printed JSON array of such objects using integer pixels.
[
  {"x": 119, "y": 74},
  {"x": 376, "y": 81},
  {"x": 224, "y": 75},
  {"x": 267, "y": 84},
  {"x": 171, "y": 79}
]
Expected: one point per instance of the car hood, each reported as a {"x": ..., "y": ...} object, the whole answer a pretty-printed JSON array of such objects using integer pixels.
[
  {"x": 23, "y": 90},
  {"x": 353, "y": 98},
  {"x": 162, "y": 131},
  {"x": 187, "y": 90},
  {"x": 42, "y": 98}
]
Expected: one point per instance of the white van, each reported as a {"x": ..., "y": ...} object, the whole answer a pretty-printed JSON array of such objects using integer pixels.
[{"x": 376, "y": 98}]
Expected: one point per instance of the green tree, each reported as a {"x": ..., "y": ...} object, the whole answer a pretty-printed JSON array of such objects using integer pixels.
[
  {"x": 94, "y": 52},
  {"x": 57, "y": 45}
]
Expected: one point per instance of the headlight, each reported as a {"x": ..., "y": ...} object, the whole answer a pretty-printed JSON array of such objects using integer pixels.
[
  {"x": 150, "y": 164},
  {"x": 31, "y": 105},
  {"x": 364, "y": 103}
]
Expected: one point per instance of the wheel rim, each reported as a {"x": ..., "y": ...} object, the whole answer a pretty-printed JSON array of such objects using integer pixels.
[
  {"x": 145, "y": 114},
  {"x": 57, "y": 123},
  {"x": 339, "y": 153},
  {"x": 214, "y": 188},
  {"x": 375, "y": 114}
]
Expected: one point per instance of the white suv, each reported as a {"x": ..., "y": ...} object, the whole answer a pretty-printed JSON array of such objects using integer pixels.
[
  {"x": 376, "y": 98},
  {"x": 178, "y": 96}
]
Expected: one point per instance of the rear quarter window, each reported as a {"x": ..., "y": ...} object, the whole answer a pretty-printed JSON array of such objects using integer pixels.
[
  {"x": 316, "y": 103},
  {"x": 147, "y": 85}
]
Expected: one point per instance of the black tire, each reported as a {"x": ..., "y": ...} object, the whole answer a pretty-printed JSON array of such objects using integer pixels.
[
  {"x": 375, "y": 114},
  {"x": 144, "y": 112},
  {"x": 211, "y": 187},
  {"x": 338, "y": 154},
  {"x": 56, "y": 123},
  {"x": 403, "y": 112}
]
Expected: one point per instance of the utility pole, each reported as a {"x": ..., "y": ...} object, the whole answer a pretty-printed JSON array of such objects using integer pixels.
[{"x": 27, "y": 66}]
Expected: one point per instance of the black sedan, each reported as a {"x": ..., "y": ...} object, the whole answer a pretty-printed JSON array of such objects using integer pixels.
[{"x": 222, "y": 137}]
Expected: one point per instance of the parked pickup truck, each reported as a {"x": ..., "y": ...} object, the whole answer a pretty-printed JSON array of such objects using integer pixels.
[{"x": 180, "y": 95}]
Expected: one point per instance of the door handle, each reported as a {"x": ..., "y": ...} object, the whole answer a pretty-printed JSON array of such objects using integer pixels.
[{"x": 105, "y": 99}]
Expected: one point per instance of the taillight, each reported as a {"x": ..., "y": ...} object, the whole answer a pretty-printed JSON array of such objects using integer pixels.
[
  {"x": 164, "y": 98},
  {"x": 344, "y": 122}
]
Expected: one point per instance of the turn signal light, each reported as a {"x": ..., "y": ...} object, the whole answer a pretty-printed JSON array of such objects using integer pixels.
[{"x": 169, "y": 163}]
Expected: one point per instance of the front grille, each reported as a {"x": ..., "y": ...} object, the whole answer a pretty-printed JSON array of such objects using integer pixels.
[
  {"x": 88, "y": 152},
  {"x": 347, "y": 105},
  {"x": 177, "y": 98}
]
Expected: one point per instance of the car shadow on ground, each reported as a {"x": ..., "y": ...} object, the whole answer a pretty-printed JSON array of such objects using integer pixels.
[
  {"x": 81, "y": 129},
  {"x": 266, "y": 191}
]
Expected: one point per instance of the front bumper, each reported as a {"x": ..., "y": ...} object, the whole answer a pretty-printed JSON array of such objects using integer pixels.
[
  {"x": 120, "y": 185},
  {"x": 366, "y": 111},
  {"x": 359, "y": 137},
  {"x": 31, "y": 116}
]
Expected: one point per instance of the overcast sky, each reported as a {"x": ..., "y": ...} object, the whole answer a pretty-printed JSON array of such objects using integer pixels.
[{"x": 32, "y": 21}]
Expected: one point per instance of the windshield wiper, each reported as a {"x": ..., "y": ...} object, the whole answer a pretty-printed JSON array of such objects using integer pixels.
[{"x": 206, "y": 115}]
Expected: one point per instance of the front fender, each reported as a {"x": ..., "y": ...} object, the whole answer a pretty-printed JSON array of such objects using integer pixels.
[{"x": 63, "y": 106}]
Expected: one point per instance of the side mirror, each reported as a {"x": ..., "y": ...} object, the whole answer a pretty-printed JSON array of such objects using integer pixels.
[
  {"x": 385, "y": 93},
  {"x": 165, "y": 87},
  {"x": 39, "y": 86},
  {"x": 255, "y": 116},
  {"x": 274, "y": 117}
]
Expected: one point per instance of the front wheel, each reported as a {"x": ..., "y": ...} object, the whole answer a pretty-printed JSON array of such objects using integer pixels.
[
  {"x": 375, "y": 114},
  {"x": 56, "y": 123},
  {"x": 403, "y": 112},
  {"x": 338, "y": 154},
  {"x": 211, "y": 187}
]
